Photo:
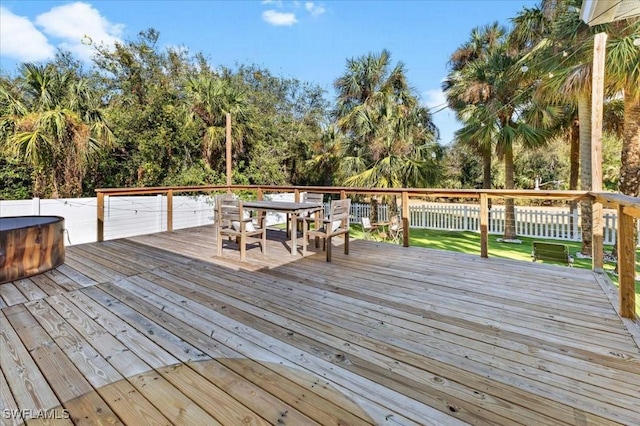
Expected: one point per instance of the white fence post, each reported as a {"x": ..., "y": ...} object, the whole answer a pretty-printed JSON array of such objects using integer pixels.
[
  {"x": 159, "y": 203},
  {"x": 35, "y": 206}
]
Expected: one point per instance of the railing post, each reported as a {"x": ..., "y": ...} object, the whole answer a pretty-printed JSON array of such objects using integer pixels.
[
  {"x": 343, "y": 196},
  {"x": 170, "y": 210},
  {"x": 484, "y": 225},
  {"x": 405, "y": 219},
  {"x": 100, "y": 216},
  {"x": 626, "y": 263},
  {"x": 296, "y": 195},
  {"x": 260, "y": 194},
  {"x": 597, "y": 94}
]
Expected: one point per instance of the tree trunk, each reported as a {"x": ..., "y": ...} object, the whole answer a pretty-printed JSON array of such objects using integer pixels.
[
  {"x": 374, "y": 217},
  {"x": 486, "y": 169},
  {"x": 394, "y": 207},
  {"x": 586, "y": 217},
  {"x": 630, "y": 156},
  {"x": 486, "y": 174},
  {"x": 630, "y": 165},
  {"x": 509, "y": 208},
  {"x": 574, "y": 158}
]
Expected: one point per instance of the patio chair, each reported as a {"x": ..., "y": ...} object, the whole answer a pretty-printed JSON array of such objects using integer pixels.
[
  {"x": 368, "y": 228},
  {"x": 311, "y": 198},
  {"x": 232, "y": 221},
  {"x": 337, "y": 223},
  {"x": 395, "y": 229}
]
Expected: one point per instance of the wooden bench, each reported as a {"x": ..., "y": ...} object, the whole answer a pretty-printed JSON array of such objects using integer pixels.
[{"x": 551, "y": 251}]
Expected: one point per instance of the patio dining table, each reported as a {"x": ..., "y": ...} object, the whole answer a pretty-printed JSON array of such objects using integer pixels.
[{"x": 292, "y": 208}]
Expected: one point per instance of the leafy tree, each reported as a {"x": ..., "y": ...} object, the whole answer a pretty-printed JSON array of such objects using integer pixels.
[
  {"x": 145, "y": 90},
  {"x": 282, "y": 122},
  {"x": 16, "y": 180},
  {"x": 324, "y": 164},
  {"x": 462, "y": 169}
]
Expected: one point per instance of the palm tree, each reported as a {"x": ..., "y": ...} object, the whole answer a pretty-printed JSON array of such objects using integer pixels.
[
  {"x": 389, "y": 136},
  {"x": 327, "y": 153},
  {"x": 622, "y": 75},
  {"x": 562, "y": 59},
  {"x": 532, "y": 28},
  {"x": 482, "y": 41},
  {"x": 493, "y": 101},
  {"x": 558, "y": 59},
  {"x": 53, "y": 122},
  {"x": 211, "y": 99}
]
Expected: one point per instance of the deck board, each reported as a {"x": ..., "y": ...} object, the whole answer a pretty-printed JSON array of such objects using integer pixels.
[
  {"x": 333, "y": 320},
  {"x": 156, "y": 329}
]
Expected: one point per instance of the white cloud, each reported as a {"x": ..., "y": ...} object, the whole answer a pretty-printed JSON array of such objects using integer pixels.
[
  {"x": 314, "y": 9},
  {"x": 278, "y": 18},
  {"x": 274, "y": 2},
  {"x": 435, "y": 98},
  {"x": 74, "y": 22},
  {"x": 21, "y": 40},
  {"x": 443, "y": 117}
]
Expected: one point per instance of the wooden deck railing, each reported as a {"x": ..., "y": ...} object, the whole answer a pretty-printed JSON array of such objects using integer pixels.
[{"x": 628, "y": 209}]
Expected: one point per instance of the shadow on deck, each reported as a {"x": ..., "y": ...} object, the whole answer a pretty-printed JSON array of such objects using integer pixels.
[{"x": 158, "y": 329}]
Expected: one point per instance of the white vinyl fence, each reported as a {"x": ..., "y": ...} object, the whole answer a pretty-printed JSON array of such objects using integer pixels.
[
  {"x": 124, "y": 216},
  {"x": 532, "y": 222},
  {"x": 137, "y": 215}
]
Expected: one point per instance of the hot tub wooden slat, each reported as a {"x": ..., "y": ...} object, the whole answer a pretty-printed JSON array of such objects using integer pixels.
[{"x": 36, "y": 247}]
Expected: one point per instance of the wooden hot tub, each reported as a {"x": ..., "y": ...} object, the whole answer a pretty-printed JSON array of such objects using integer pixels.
[{"x": 30, "y": 245}]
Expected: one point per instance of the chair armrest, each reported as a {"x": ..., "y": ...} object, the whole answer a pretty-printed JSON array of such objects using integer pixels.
[{"x": 313, "y": 219}]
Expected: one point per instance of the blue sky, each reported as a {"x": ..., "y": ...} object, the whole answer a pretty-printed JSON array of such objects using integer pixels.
[{"x": 310, "y": 41}]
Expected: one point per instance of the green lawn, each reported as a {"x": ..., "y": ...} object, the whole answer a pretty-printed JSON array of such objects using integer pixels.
[{"x": 469, "y": 242}]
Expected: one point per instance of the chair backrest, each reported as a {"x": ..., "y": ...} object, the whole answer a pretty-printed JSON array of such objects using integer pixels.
[
  {"x": 366, "y": 222},
  {"x": 339, "y": 214},
  {"x": 228, "y": 209},
  {"x": 312, "y": 197},
  {"x": 395, "y": 223}
]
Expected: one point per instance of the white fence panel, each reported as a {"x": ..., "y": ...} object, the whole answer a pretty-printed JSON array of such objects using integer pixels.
[
  {"x": 79, "y": 217},
  {"x": 530, "y": 222},
  {"x": 190, "y": 211},
  {"x": 133, "y": 215},
  {"x": 20, "y": 207},
  {"x": 137, "y": 215}
]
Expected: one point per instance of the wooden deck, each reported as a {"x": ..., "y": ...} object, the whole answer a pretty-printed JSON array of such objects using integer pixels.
[{"x": 157, "y": 330}]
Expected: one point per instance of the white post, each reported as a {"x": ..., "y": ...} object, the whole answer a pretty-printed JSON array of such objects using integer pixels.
[{"x": 35, "y": 206}]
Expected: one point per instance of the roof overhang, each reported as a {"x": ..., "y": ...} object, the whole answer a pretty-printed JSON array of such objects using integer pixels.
[{"x": 595, "y": 12}]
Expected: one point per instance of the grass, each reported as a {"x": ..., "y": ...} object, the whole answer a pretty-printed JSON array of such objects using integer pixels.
[{"x": 469, "y": 242}]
